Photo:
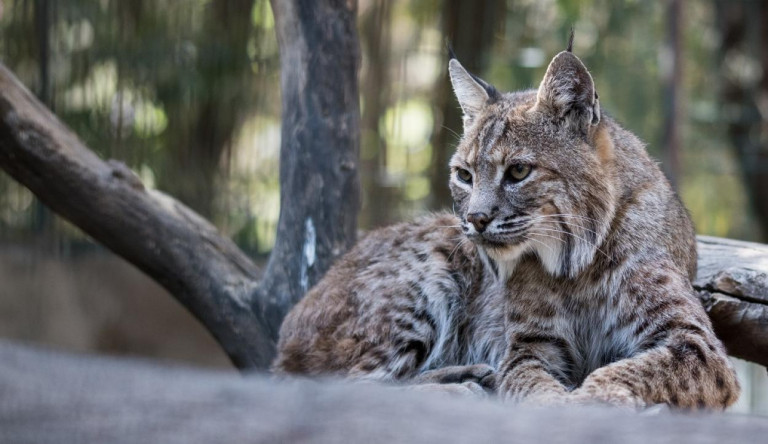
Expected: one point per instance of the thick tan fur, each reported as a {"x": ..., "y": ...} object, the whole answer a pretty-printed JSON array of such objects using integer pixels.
[{"x": 570, "y": 284}]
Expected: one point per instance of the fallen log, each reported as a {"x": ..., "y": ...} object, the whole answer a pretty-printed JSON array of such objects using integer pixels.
[
  {"x": 732, "y": 283},
  {"x": 49, "y": 397}
]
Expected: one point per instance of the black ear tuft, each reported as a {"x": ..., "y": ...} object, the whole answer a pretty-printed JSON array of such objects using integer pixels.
[
  {"x": 570, "y": 41},
  {"x": 493, "y": 93}
]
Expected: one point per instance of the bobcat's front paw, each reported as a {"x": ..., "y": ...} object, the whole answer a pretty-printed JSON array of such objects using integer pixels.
[
  {"x": 610, "y": 395},
  {"x": 455, "y": 374}
]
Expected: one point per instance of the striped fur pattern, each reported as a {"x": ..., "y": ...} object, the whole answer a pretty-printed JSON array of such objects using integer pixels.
[{"x": 564, "y": 277}]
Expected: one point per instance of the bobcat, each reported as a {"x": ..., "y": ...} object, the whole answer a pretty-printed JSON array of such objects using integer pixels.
[{"x": 565, "y": 277}]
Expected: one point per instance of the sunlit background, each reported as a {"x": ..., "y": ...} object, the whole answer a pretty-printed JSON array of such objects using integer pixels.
[{"x": 187, "y": 94}]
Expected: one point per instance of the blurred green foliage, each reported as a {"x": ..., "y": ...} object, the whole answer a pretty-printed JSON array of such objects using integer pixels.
[{"x": 187, "y": 94}]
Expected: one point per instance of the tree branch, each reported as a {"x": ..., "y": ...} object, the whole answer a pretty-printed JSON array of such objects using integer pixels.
[{"x": 205, "y": 271}]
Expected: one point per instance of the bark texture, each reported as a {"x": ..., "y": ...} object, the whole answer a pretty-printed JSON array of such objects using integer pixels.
[
  {"x": 732, "y": 283},
  {"x": 319, "y": 184}
]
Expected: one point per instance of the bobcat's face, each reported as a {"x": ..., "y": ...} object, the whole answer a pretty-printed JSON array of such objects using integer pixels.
[{"x": 532, "y": 171}]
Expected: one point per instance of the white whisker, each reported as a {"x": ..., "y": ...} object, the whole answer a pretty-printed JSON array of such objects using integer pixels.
[
  {"x": 577, "y": 237},
  {"x": 575, "y": 216},
  {"x": 540, "y": 242},
  {"x": 452, "y": 131},
  {"x": 570, "y": 224},
  {"x": 459, "y": 245},
  {"x": 546, "y": 235}
]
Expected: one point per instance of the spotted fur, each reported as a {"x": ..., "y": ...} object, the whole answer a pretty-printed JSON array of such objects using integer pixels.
[{"x": 573, "y": 283}]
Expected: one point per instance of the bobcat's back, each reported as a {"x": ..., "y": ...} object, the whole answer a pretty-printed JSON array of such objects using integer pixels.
[{"x": 389, "y": 307}]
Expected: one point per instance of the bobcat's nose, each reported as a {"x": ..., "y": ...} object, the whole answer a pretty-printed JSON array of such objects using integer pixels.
[{"x": 479, "y": 220}]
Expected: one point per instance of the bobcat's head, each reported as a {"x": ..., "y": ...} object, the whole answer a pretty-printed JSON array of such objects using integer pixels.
[{"x": 534, "y": 172}]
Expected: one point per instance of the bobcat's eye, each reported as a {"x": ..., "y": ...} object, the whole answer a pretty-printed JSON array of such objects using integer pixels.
[
  {"x": 464, "y": 175},
  {"x": 518, "y": 172}
]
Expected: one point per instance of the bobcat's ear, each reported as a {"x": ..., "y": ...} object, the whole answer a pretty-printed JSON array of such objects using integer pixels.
[
  {"x": 473, "y": 93},
  {"x": 568, "y": 94}
]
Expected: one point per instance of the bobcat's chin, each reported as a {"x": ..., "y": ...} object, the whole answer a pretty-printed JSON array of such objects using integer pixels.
[
  {"x": 505, "y": 252},
  {"x": 503, "y": 257}
]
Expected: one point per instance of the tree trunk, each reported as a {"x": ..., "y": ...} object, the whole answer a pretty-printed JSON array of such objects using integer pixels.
[
  {"x": 319, "y": 184},
  {"x": 744, "y": 40},
  {"x": 672, "y": 78}
]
